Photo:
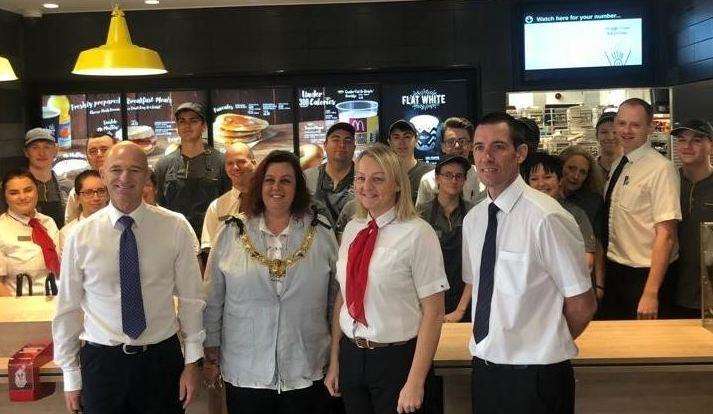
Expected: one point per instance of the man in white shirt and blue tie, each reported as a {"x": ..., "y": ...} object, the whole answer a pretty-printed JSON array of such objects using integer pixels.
[
  {"x": 532, "y": 295},
  {"x": 120, "y": 272}
]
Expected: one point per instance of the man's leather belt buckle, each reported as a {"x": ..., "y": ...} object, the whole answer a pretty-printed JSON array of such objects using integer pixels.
[
  {"x": 133, "y": 349},
  {"x": 363, "y": 343}
]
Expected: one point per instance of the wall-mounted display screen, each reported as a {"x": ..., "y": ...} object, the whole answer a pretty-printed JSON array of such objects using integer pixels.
[
  {"x": 321, "y": 107},
  {"x": 426, "y": 106},
  {"x": 262, "y": 118},
  {"x": 73, "y": 118},
  {"x": 150, "y": 119},
  {"x": 562, "y": 38}
]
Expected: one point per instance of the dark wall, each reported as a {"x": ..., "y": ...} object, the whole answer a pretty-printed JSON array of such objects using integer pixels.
[
  {"x": 692, "y": 36},
  {"x": 12, "y": 114}
]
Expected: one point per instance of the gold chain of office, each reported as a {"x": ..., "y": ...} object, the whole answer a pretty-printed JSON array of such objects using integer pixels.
[{"x": 278, "y": 267}]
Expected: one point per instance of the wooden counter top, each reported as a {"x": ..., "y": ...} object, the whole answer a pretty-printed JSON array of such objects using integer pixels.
[
  {"x": 26, "y": 309},
  {"x": 608, "y": 343}
]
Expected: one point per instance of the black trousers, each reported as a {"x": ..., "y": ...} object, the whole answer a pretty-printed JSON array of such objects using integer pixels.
[
  {"x": 144, "y": 383},
  {"x": 624, "y": 286},
  {"x": 370, "y": 380},
  {"x": 313, "y": 399},
  {"x": 522, "y": 389}
]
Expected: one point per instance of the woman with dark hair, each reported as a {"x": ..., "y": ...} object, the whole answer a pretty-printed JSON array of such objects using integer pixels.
[
  {"x": 93, "y": 196},
  {"x": 271, "y": 270},
  {"x": 28, "y": 240}
]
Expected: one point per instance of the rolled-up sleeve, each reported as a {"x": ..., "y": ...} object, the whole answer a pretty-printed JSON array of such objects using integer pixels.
[
  {"x": 429, "y": 275},
  {"x": 189, "y": 292},
  {"x": 68, "y": 320}
]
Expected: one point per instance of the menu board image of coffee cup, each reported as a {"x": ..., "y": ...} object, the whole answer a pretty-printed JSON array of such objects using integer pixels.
[
  {"x": 426, "y": 106},
  {"x": 151, "y": 122},
  {"x": 72, "y": 119},
  {"x": 322, "y": 107},
  {"x": 261, "y": 118}
]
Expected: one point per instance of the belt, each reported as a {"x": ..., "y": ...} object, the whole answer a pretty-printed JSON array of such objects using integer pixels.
[
  {"x": 364, "y": 343},
  {"x": 133, "y": 349},
  {"x": 489, "y": 364}
]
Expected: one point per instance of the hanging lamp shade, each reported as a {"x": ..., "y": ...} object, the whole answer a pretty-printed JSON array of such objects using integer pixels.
[
  {"x": 6, "y": 72},
  {"x": 118, "y": 57}
]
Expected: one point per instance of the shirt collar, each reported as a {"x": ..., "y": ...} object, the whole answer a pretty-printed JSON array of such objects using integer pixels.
[
  {"x": 636, "y": 154},
  {"x": 507, "y": 199},
  {"x": 115, "y": 214},
  {"x": 386, "y": 218},
  {"x": 19, "y": 217}
]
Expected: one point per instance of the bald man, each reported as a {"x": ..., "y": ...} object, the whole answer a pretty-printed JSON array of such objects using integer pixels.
[
  {"x": 121, "y": 270},
  {"x": 239, "y": 166}
]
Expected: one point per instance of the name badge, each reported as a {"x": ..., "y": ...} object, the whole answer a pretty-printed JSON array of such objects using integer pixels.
[{"x": 24, "y": 238}]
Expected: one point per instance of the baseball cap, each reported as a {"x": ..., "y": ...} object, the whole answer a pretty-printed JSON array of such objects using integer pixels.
[
  {"x": 454, "y": 159},
  {"x": 403, "y": 125},
  {"x": 191, "y": 106},
  {"x": 341, "y": 126},
  {"x": 697, "y": 126},
  {"x": 38, "y": 134}
]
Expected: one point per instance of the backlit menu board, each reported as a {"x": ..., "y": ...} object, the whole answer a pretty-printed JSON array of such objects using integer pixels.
[
  {"x": 262, "y": 118},
  {"x": 426, "y": 105},
  {"x": 150, "y": 119},
  {"x": 322, "y": 107},
  {"x": 73, "y": 118}
]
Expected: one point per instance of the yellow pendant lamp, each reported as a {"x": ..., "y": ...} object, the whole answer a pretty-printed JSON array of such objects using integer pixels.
[
  {"x": 118, "y": 57},
  {"x": 6, "y": 72}
]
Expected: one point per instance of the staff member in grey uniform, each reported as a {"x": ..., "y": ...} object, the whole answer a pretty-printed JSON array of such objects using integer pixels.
[
  {"x": 332, "y": 183},
  {"x": 445, "y": 214},
  {"x": 98, "y": 144},
  {"x": 456, "y": 141},
  {"x": 191, "y": 177},
  {"x": 270, "y": 275},
  {"x": 41, "y": 150},
  {"x": 532, "y": 295},
  {"x": 122, "y": 271},
  {"x": 388, "y": 314},
  {"x": 402, "y": 139},
  {"x": 694, "y": 146},
  {"x": 29, "y": 258}
]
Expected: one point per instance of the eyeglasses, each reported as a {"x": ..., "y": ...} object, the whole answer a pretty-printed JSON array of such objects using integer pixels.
[
  {"x": 101, "y": 192},
  {"x": 450, "y": 143},
  {"x": 98, "y": 150},
  {"x": 342, "y": 141},
  {"x": 456, "y": 176}
]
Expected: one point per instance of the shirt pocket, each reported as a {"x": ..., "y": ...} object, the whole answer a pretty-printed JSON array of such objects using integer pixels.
[
  {"x": 633, "y": 198},
  {"x": 511, "y": 273},
  {"x": 390, "y": 271}
]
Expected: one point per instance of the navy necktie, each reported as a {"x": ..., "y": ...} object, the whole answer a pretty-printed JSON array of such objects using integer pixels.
[
  {"x": 481, "y": 321},
  {"x": 133, "y": 320},
  {"x": 607, "y": 202}
]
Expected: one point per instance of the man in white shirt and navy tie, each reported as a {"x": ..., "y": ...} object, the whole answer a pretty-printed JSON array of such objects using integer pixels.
[
  {"x": 532, "y": 295},
  {"x": 120, "y": 272}
]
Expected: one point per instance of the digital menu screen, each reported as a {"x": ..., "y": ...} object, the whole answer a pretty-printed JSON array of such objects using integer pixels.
[
  {"x": 261, "y": 118},
  {"x": 150, "y": 119},
  {"x": 73, "y": 118},
  {"x": 322, "y": 107},
  {"x": 426, "y": 106}
]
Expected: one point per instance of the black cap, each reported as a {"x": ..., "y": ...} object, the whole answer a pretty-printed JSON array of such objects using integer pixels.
[
  {"x": 196, "y": 107},
  {"x": 604, "y": 118},
  {"x": 403, "y": 125},
  {"x": 696, "y": 126},
  {"x": 453, "y": 159},
  {"x": 341, "y": 126}
]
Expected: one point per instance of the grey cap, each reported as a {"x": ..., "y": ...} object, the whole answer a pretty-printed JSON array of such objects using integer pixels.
[
  {"x": 697, "y": 126},
  {"x": 191, "y": 106},
  {"x": 403, "y": 125},
  {"x": 38, "y": 134},
  {"x": 454, "y": 159}
]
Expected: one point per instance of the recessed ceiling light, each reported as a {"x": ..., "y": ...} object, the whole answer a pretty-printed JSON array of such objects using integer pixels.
[
  {"x": 50, "y": 6},
  {"x": 152, "y": 2}
]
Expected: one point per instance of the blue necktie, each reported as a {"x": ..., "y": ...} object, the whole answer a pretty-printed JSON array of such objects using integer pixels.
[
  {"x": 133, "y": 319},
  {"x": 481, "y": 321}
]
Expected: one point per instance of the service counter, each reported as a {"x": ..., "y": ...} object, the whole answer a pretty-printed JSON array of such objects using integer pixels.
[{"x": 623, "y": 366}]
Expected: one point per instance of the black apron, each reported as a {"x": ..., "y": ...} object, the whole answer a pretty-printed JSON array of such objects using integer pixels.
[{"x": 54, "y": 209}]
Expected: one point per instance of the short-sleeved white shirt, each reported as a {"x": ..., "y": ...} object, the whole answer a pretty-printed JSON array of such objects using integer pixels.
[
  {"x": 647, "y": 192},
  {"x": 406, "y": 266},
  {"x": 220, "y": 209},
  {"x": 540, "y": 261}
]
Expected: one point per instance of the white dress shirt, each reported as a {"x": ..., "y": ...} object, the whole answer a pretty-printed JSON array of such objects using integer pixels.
[
  {"x": 647, "y": 192},
  {"x": 72, "y": 210},
  {"x": 473, "y": 189},
  {"x": 19, "y": 254},
  {"x": 67, "y": 229},
  {"x": 406, "y": 266},
  {"x": 220, "y": 209},
  {"x": 540, "y": 261},
  {"x": 89, "y": 301}
]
